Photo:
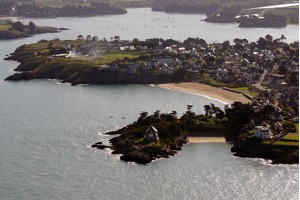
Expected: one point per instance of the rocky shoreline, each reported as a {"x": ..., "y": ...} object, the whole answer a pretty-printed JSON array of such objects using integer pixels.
[
  {"x": 277, "y": 154},
  {"x": 140, "y": 154}
]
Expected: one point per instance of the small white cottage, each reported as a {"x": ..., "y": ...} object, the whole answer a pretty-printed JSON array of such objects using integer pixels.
[{"x": 262, "y": 132}]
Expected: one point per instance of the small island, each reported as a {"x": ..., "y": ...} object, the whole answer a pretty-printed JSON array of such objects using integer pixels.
[
  {"x": 15, "y": 30},
  {"x": 268, "y": 20}
]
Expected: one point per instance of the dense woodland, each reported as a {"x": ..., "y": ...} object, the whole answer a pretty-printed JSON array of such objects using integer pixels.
[
  {"x": 210, "y": 6},
  {"x": 32, "y": 10}
]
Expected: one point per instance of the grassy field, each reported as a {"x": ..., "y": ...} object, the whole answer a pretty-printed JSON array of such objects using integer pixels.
[
  {"x": 285, "y": 143},
  {"x": 4, "y": 27},
  {"x": 291, "y": 137},
  {"x": 246, "y": 90},
  {"x": 42, "y": 46},
  {"x": 108, "y": 58}
]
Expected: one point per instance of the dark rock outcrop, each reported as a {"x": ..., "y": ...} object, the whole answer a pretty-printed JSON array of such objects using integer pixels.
[
  {"x": 138, "y": 157},
  {"x": 141, "y": 154},
  {"x": 278, "y": 154},
  {"x": 99, "y": 145}
]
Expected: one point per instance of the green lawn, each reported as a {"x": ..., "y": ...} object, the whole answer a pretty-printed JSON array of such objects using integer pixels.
[
  {"x": 246, "y": 90},
  {"x": 108, "y": 58},
  {"x": 4, "y": 26},
  {"x": 286, "y": 143},
  {"x": 292, "y": 137},
  {"x": 41, "y": 46}
]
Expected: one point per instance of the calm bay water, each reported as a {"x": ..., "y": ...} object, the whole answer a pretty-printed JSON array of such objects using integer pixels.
[
  {"x": 46, "y": 129},
  {"x": 142, "y": 23}
]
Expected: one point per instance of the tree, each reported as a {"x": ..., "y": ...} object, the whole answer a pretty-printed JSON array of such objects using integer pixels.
[
  {"x": 189, "y": 107},
  {"x": 80, "y": 37},
  {"x": 18, "y": 26},
  {"x": 142, "y": 120},
  {"x": 156, "y": 114},
  {"x": 245, "y": 42},
  {"x": 269, "y": 38},
  {"x": 261, "y": 43},
  {"x": 174, "y": 114},
  {"x": 32, "y": 27},
  {"x": 88, "y": 38},
  {"x": 293, "y": 79},
  {"x": 216, "y": 111},
  {"x": 135, "y": 42},
  {"x": 207, "y": 109},
  {"x": 240, "y": 111},
  {"x": 282, "y": 69},
  {"x": 237, "y": 41},
  {"x": 282, "y": 37},
  {"x": 143, "y": 114},
  {"x": 226, "y": 45},
  {"x": 95, "y": 39},
  {"x": 202, "y": 42}
]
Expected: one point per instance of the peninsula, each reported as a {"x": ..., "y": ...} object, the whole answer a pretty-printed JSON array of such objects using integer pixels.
[
  {"x": 161, "y": 135},
  {"x": 14, "y": 30}
]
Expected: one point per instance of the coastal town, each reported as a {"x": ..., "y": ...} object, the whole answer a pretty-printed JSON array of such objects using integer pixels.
[{"x": 265, "y": 72}]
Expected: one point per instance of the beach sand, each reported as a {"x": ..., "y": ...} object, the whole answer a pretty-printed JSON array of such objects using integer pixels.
[
  {"x": 207, "y": 90},
  {"x": 206, "y": 139}
]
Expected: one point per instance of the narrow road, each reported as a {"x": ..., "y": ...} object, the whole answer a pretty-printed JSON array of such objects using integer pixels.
[{"x": 261, "y": 80}]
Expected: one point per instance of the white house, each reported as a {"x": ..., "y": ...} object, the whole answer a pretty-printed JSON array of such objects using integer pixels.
[
  {"x": 270, "y": 56},
  {"x": 262, "y": 132}
]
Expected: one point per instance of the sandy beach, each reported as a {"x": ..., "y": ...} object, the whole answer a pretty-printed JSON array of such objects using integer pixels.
[
  {"x": 206, "y": 90},
  {"x": 206, "y": 139}
]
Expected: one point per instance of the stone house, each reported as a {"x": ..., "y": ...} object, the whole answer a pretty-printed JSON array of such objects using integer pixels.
[{"x": 151, "y": 133}]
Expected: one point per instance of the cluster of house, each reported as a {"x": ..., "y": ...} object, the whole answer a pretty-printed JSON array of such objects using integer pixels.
[
  {"x": 162, "y": 65},
  {"x": 240, "y": 66},
  {"x": 269, "y": 126},
  {"x": 226, "y": 64},
  {"x": 230, "y": 66}
]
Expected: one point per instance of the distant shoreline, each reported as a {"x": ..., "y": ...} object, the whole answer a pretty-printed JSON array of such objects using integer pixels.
[{"x": 206, "y": 90}]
